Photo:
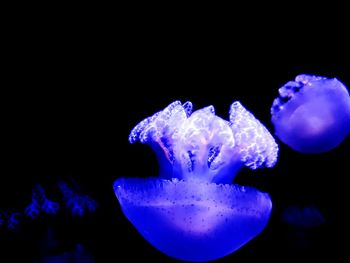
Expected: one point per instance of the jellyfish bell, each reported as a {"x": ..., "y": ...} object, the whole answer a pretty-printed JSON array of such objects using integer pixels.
[
  {"x": 303, "y": 217},
  {"x": 312, "y": 114},
  {"x": 192, "y": 211},
  {"x": 193, "y": 220}
]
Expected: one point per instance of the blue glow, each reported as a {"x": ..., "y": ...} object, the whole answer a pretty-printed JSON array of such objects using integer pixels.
[
  {"x": 10, "y": 219},
  {"x": 192, "y": 211},
  {"x": 2, "y": 220},
  {"x": 306, "y": 217},
  {"x": 76, "y": 203},
  {"x": 312, "y": 114},
  {"x": 79, "y": 255},
  {"x": 13, "y": 220},
  {"x": 32, "y": 210},
  {"x": 40, "y": 203}
]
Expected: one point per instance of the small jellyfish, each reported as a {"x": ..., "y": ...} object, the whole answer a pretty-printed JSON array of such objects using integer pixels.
[
  {"x": 77, "y": 203},
  {"x": 306, "y": 226},
  {"x": 192, "y": 211},
  {"x": 306, "y": 217},
  {"x": 13, "y": 220},
  {"x": 312, "y": 114},
  {"x": 40, "y": 203}
]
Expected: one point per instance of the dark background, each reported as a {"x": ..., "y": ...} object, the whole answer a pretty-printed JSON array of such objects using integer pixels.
[{"x": 71, "y": 93}]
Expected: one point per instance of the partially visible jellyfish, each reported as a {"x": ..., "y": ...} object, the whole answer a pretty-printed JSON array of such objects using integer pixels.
[
  {"x": 305, "y": 226},
  {"x": 78, "y": 204},
  {"x": 192, "y": 211},
  {"x": 40, "y": 203},
  {"x": 77, "y": 255},
  {"x": 312, "y": 114},
  {"x": 13, "y": 220},
  {"x": 306, "y": 217},
  {"x": 10, "y": 220}
]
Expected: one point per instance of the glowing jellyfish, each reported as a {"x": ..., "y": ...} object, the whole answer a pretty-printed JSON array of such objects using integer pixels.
[
  {"x": 312, "y": 114},
  {"x": 192, "y": 212}
]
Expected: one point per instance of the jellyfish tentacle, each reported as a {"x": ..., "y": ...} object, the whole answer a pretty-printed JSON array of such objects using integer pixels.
[
  {"x": 203, "y": 142},
  {"x": 188, "y": 108},
  {"x": 255, "y": 143},
  {"x": 151, "y": 127},
  {"x": 184, "y": 141}
]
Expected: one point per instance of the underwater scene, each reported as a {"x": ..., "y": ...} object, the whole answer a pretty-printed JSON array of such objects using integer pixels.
[{"x": 172, "y": 153}]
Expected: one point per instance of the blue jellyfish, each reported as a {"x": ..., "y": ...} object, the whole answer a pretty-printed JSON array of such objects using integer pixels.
[
  {"x": 12, "y": 218},
  {"x": 192, "y": 211},
  {"x": 305, "y": 225},
  {"x": 78, "y": 204},
  {"x": 303, "y": 217},
  {"x": 312, "y": 114},
  {"x": 40, "y": 202}
]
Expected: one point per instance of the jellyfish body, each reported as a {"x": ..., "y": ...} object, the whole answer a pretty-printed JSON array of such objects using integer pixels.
[
  {"x": 312, "y": 114},
  {"x": 191, "y": 211}
]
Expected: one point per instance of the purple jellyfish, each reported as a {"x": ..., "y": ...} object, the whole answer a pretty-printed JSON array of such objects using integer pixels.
[
  {"x": 192, "y": 211},
  {"x": 312, "y": 114}
]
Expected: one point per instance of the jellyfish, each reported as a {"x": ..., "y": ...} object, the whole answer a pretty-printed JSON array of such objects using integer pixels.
[
  {"x": 40, "y": 203},
  {"x": 303, "y": 217},
  {"x": 312, "y": 114},
  {"x": 306, "y": 225},
  {"x": 77, "y": 203},
  {"x": 11, "y": 219},
  {"x": 192, "y": 211}
]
